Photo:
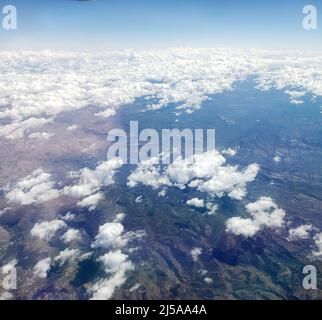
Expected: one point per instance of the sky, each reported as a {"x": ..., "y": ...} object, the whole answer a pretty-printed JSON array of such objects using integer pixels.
[{"x": 143, "y": 24}]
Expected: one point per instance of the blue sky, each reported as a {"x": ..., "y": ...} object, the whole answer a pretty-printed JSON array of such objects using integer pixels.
[{"x": 141, "y": 24}]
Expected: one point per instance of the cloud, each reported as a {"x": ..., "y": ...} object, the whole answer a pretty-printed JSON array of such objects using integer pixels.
[
  {"x": 40, "y": 135},
  {"x": 8, "y": 267},
  {"x": 318, "y": 244},
  {"x": 33, "y": 189},
  {"x": 195, "y": 253},
  {"x": 42, "y": 268},
  {"x": 301, "y": 232},
  {"x": 91, "y": 201},
  {"x": 229, "y": 180},
  {"x": 72, "y": 235},
  {"x": 229, "y": 152},
  {"x": 119, "y": 217},
  {"x": 2, "y": 211},
  {"x": 110, "y": 235},
  {"x": 277, "y": 159},
  {"x": 46, "y": 84},
  {"x": 205, "y": 172},
  {"x": 18, "y": 129},
  {"x": 264, "y": 213},
  {"x": 295, "y": 95},
  {"x": 72, "y": 127},
  {"x": 67, "y": 256},
  {"x": 91, "y": 181},
  {"x": 147, "y": 174},
  {"x": 242, "y": 227},
  {"x": 212, "y": 208},
  {"x": 117, "y": 265},
  {"x": 49, "y": 83},
  {"x": 6, "y": 295},
  {"x": 135, "y": 287},
  {"x": 208, "y": 280},
  {"x": 69, "y": 216},
  {"x": 47, "y": 229},
  {"x": 106, "y": 113},
  {"x": 113, "y": 260},
  {"x": 162, "y": 193},
  {"x": 195, "y": 202},
  {"x": 39, "y": 187}
]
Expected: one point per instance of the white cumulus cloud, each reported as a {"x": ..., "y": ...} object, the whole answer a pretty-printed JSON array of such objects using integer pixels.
[
  {"x": 264, "y": 213},
  {"x": 205, "y": 172},
  {"x": 47, "y": 229},
  {"x": 42, "y": 268},
  {"x": 301, "y": 232},
  {"x": 71, "y": 235},
  {"x": 117, "y": 265},
  {"x": 110, "y": 235},
  {"x": 195, "y": 202},
  {"x": 195, "y": 253},
  {"x": 33, "y": 189},
  {"x": 91, "y": 181}
]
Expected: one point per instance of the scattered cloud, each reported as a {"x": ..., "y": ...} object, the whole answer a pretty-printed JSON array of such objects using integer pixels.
[
  {"x": 72, "y": 235},
  {"x": 18, "y": 129},
  {"x": 40, "y": 135},
  {"x": 135, "y": 287},
  {"x": 195, "y": 253},
  {"x": 119, "y": 217},
  {"x": 318, "y": 244},
  {"x": 212, "y": 208},
  {"x": 162, "y": 193},
  {"x": 195, "y": 202},
  {"x": 91, "y": 201},
  {"x": 277, "y": 159},
  {"x": 8, "y": 267},
  {"x": 301, "y": 232},
  {"x": 110, "y": 235},
  {"x": 115, "y": 262},
  {"x": 33, "y": 189},
  {"x": 6, "y": 295},
  {"x": 72, "y": 127},
  {"x": 42, "y": 268},
  {"x": 208, "y": 280},
  {"x": 90, "y": 181},
  {"x": 264, "y": 213},
  {"x": 46, "y": 230},
  {"x": 205, "y": 172},
  {"x": 117, "y": 265},
  {"x": 147, "y": 173},
  {"x": 69, "y": 216},
  {"x": 229, "y": 152},
  {"x": 67, "y": 256},
  {"x": 106, "y": 113},
  {"x": 294, "y": 96}
]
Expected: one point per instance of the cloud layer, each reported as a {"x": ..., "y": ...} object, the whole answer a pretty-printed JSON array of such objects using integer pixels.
[{"x": 37, "y": 86}]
